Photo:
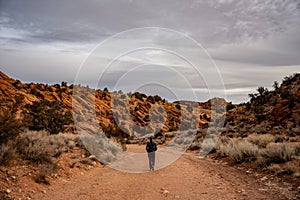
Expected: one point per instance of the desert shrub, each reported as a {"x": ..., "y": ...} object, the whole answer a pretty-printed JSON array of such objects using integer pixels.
[
  {"x": 261, "y": 140},
  {"x": 49, "y": 116},
  {"x": 229, "y": 106},
  {"x": 139, "y": 96},
  {"x": 279, "y": 153},
  {"x": 46, "y": 169},
  {"x": 157, "y": 98},
  {"x": 289, "y": 169},
  {"x": 223, "y": 150},
  {"x": 40, "y": 147},
  {"x": 7, "y": 153},
  {"x": 151, "y": 99},
  {"x": 241, "y": 150},
  {"x": 292, "y": 78},
  {"x": 103, "y": 149},
  {"x": 10, "y": 126},
  {"x": 274, "y": 168}
]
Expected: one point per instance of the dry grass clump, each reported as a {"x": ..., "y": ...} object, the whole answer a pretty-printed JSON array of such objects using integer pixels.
[
  {"x": 265, "y": 153},
  {"x": 7, "y": 153},
  {"x": 40, "y": 146},
  {"x": 98, "y": 145},
  {"x": 274, "y": 168},
  {"x": 239, "y": 150},
  {"x": 287, "y": 168},
  {"x": 242, "y": 151},
  {"x": 46, "y": 169},
  {"x": 290, "y": 169},
  {"x": 279, "y": 153},
  {"x": 261, "y": 140}
]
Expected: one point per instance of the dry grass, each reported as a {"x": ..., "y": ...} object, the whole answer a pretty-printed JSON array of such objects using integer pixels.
[
  {"x": 40, "y": 146},
  {"x": 261, "y": 140},
  {"x": 243, "y": 151},
  {"x": 104, "y": 149},
  {"x": 239, "y": 150},
  {"x": 256, "y": 148},
  {"x": 279, "y": 153},
  {"x": 7, "y": 153},
  {"x": 46, "y": 169},
  {"x": 274, "y": 168},
  {"x": 290, "y": 169}
]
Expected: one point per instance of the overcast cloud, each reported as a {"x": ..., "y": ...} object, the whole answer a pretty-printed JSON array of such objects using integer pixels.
[{"x": 253, "y": 42}]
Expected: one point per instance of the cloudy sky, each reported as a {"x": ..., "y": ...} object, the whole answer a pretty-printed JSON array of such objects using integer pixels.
[{"x": 199, "y": 48}]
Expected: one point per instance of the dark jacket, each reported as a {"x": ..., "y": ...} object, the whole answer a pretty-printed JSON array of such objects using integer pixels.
[{"x": 150, "y": 147}]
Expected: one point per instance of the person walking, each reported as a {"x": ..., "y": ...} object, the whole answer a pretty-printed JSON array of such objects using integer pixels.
[{"x": 151, "y": 148}]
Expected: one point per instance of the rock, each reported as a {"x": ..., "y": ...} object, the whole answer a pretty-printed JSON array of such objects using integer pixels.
[
  {"x": 8, "y": 191},
  {"x": 93, "y": 157},
  {"x": 264, "y": 178},
  {"x": 164, "y": 192}
]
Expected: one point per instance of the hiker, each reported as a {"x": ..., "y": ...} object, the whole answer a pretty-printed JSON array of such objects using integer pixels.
[{"x": 151, "y": 148}]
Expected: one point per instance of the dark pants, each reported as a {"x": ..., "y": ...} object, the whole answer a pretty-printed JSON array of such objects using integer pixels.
[{"x": 151, "y": 157}]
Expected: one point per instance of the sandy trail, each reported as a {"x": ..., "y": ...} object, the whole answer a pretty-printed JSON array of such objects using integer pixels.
[{"x": 187, "y": 178}]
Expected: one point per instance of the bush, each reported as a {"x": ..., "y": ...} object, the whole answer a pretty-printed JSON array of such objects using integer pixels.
[
  {"x": 274, "y": 168},
  {"x": 241, "y": 150},
  {"x": 7, "y": 153},
  {"x": 289, "y": 169},
  {"x": 49, "y": 116},
  {"x": 229, "y": 106},
  {"x": 261, "y": 140},
  {"x": 279, "y": 153},
  {"x": 40, "y": 147},
  {"x": 46, "y": 169},
  {"x": 104, "y": 150},
  {"x": 139, "y": 96},
  {"x": 10, "y": 126}
]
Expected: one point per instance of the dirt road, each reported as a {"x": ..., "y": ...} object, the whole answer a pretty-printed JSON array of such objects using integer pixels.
[{"x": 187, "y": 178}]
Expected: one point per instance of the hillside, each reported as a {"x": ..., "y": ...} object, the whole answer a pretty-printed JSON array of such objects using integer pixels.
[
  {"x": 19, "y": 96},
  {"x": 276, "y": 112},
  {"x": 261, "y": 137}
]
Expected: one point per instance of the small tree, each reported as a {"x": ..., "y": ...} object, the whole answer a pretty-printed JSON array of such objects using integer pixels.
[
  {"x": 276, "y": 86},
  {"x": 64, "y": 84}
]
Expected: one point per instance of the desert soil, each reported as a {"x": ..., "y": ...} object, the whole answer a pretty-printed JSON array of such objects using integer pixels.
[{"x": 187, "y": 178}]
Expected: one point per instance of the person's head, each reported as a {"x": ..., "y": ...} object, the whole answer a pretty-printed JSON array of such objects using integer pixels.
[{"x": 151, "y": 138}]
